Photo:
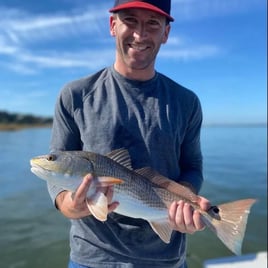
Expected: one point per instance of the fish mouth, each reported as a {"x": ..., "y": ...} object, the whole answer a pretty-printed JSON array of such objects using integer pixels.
[
  {"x": 34, "y": 166},
  {"x": 37, "y": 169}
]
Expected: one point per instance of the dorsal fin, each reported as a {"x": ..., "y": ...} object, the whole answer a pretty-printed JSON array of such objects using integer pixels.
[
  {"x": 121, "y": 156},
  {"x": 170, "y": 185}
]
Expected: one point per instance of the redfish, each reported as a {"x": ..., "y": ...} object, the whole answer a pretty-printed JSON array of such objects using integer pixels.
[{"x": 142, "y": 193}]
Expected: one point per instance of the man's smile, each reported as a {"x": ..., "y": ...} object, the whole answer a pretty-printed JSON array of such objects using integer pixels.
[{"x": 138, "y": 47}]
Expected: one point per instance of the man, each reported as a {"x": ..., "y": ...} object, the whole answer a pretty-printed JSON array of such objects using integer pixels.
[{"x": 130, "y": 105}]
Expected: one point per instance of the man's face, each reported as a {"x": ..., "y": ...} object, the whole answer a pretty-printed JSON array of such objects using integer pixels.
[{"x": 139, "y": 34}]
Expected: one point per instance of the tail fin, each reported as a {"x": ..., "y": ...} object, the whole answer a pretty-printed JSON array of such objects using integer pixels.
[{"x": 229, "y": 222}]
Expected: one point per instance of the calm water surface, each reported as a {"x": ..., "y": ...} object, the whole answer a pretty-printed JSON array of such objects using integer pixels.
[{"x": 34, "y": 235}]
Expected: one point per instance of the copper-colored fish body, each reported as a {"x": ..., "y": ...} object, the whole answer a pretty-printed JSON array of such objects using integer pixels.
[{"x": 142, "y": 193}]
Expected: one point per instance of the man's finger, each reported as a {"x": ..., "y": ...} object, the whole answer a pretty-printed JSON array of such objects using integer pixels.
[
  {"x": 204, "y": 204},
  {"x": 199, "y": 225},
  {"x": 113, "y": 206},
  {"x": 188, "y": 218},
  {"x": 81, "y": 192}
]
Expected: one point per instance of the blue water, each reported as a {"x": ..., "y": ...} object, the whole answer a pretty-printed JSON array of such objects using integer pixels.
[{"x": 33, "y": 234}]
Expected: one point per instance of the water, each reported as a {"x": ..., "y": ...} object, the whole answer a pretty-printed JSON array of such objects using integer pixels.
[
  {"x": 34, "y": 235},
  {"x": 235, "y": 167}
]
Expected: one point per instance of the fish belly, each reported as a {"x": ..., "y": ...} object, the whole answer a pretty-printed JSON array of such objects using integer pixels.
[{"x": 134, "y": 208}]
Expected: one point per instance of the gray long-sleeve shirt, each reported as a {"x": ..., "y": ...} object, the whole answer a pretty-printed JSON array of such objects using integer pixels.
[{"x": 159, "y": 122}]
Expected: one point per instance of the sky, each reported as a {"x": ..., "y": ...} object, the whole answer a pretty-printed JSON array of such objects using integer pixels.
[{"x": 216, "y": 48}]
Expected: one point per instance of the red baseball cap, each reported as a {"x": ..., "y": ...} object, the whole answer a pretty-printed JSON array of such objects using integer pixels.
[{"x": 159, "y": 6}]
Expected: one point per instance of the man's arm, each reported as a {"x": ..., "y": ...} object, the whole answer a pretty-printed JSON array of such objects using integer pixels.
[{"x": 66, "y": 136}]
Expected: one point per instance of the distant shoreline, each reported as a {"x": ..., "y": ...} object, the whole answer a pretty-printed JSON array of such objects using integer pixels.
[
  {"x": 16, "y": 121},
  {"x": 234, "y": 125},
  {"x": 17, "y": 127}
]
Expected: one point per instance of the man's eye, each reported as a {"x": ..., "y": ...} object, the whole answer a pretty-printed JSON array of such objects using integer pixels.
[
  {"x": 130, "y": 20},
  {"x": 154, "y": 23}
]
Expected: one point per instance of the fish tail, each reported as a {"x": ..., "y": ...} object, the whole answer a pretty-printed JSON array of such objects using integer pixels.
[{"x": 228, "y": 221}]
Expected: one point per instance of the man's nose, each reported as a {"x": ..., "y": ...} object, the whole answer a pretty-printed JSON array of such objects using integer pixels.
[{"x": 140, "y": 32}]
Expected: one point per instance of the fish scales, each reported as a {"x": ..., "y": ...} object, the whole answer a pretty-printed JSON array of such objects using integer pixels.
[
  {"x": 142, "y": 187},
  {"x": 142, "y": 193}
]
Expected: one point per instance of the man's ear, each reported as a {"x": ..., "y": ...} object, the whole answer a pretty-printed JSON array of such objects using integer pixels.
[
  {"x": 166, "y": 34},
  {"x": 112, "y": 25}
]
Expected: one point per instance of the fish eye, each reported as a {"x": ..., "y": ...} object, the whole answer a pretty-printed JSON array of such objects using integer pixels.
[{"x": 51, "y": 157}]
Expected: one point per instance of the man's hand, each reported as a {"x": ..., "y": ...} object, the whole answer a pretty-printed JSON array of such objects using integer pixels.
[
  {"x": 184, "y": 218},
  {"x": 73, "y": 205}
]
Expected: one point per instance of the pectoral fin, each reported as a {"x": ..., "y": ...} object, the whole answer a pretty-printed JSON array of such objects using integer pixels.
[
  {"x": 98, "y": 206},
  {"x": 98, "y": 203},
  {"x": 162, "y": 229}
]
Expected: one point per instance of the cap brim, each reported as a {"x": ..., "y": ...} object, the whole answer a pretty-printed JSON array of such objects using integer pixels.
[{"x": 143, "y": 5}]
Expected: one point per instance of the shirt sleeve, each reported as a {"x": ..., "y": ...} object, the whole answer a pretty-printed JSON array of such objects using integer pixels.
[
  {"x": 191, "y": 161},
  {"x": 65, "y": 133}
]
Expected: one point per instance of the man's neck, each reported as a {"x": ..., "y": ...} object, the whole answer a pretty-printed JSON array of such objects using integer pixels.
[{"x": 133, "y": 74}]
